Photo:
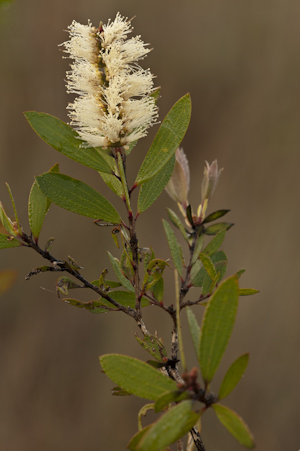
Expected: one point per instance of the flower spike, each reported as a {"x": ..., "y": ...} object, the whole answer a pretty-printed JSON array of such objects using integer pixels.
[{"x": 114, "y": 106}]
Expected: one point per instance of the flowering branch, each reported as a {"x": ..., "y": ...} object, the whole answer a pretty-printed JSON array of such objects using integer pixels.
[{"x": 114, "y": 107}]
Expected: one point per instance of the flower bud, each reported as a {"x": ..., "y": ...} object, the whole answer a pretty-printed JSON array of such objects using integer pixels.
[
  {"x": 179, "y": 184},
  {"x": 210, "y": 180}
]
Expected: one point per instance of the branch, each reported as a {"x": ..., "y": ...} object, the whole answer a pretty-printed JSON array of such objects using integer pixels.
[{"x": 60, "y": 265}]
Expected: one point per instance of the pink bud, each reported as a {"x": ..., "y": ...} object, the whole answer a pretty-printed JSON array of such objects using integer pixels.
[
  {"x": 210, "y": 180},
  {"x": 179, "y": 184}
]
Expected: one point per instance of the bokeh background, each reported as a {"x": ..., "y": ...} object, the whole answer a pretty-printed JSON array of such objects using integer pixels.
[{"x": 240, "y": 60}]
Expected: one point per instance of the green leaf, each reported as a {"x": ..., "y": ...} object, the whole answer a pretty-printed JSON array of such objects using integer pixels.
[
  {"x": 14, "y": 205},
  {"x": 202, "y": 279},
  {"x": 76, "y": 196},
  {"x": 38, "y": 206},
  {"x": 127, "y": 299},
  {"x": 215, "y": 215},
  {"x": 113, "y": 183},
  {"x": 198, "y": 249},
  {"x": 109, "y": 283},
  {"x": 235, "y": 425},
  {"x": 63, "y": 138},
  {"x": 214, "y": 229},
  {"x": 247, "y": 291},
  {"x": 136, "y": 377},
  {"x": 215, "y": 243},
  {"x": 175, "y": 248},
  {"x": 194, "y": 329},
  {"x": 208, "y": 265},
  {"x": 154, "y": 346},
  {"x": 148, "y": 256},
  {"x": 233, "y": 375},
  {"x": 158, "y": 289},
  {"x": 240, "y": 272},
  {"x": 132, "y": 445},
  {"x": 177, "y": 223},
  {"x": 104, "y": 306},
  {"x": 142, "y": 413},
  {"x": 151, "y": 189},
  {"x": 120, "y": 274},
  {"x": 92, "y": 306},
  {"x": 164, "y": 432},
  {"x": 167, "y": 139},
  {"x": 217, "y": 325},
  {"x": 153, "y": 273},
  {"x": 7, "y": 278},
  {"x": 7, "y": 241},
  {"x": 167, "y": 398},
  {"x": 6, "y": 221}
]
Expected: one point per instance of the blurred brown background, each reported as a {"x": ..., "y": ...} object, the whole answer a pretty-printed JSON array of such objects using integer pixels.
[{"x": 240, "y": 60}]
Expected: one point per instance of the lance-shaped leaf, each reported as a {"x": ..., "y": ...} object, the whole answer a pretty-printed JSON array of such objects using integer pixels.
[
  {"x": 175, "y": 247},
  {"x": 217, "y": 325},
  {"x": 7, "y": 241},
  {"x": 167, "y": 139},
  {"x": 172, "y": 396},
  {"x": 214, "y": 229},
  {"x": 158, "y": 289},
  {"x": 63, "y": 138},
  {"x": 164, "y": 432},
  {"x": 6, "y": 221},
  {"x": 200, "y": 276},
  {"x": 215, "y": 215},
  {"x": 104, "y": 306},
  {"x": 235, "y": 425},
  {"x": 154, "y": 346},
  {"x": 151, "y": 189},
  {"x": 120, "y": 274},
  {"x": 177, "y": 223},
  {"x": 132, "y": 445},
  {"x": 106, "y": 283},
  {"x": 127, "y": 299},
  {"x": 233, "y": 375},
  {"x": 247, "y": 291},
  {"x": 14, "y": 206},
  {"x": 197, "y": 249},
  {"x": 92, "y": 306},
  {"x": 41, "y": 269},
  {"x": 38, "y": 206},
  {"x": 136, "y": 377},
  {"x": 240, "y": 272},
  {"x": 194, "y": 329},
  {"x": 113, "y": 183},
  {"x": 76, "y": 196},
  {"x": 215, "y": 243},
  {"x": 153, "y": 273},
  {"x": 208, "y": 265}
]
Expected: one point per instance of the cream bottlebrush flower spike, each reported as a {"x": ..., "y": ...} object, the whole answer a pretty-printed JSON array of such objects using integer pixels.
[{"x": 114, "y": 106}]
